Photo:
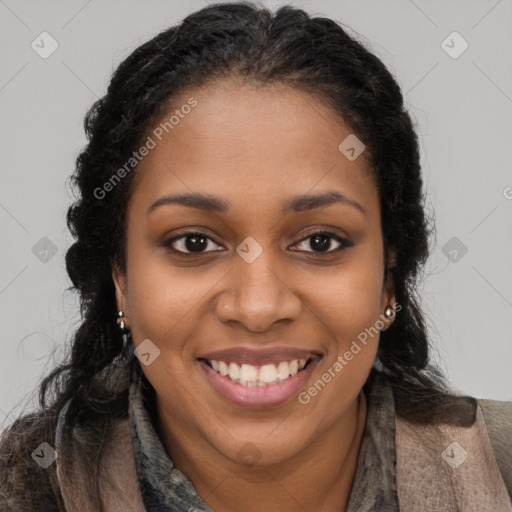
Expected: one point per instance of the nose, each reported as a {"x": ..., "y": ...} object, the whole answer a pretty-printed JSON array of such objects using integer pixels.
[{"x": 257, "y": 295}]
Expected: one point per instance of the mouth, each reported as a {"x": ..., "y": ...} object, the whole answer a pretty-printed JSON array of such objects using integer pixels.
[{"x": 259, "y": 385}]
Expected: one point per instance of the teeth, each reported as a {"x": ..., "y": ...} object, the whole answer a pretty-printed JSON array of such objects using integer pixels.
[
  {"x": 266, "y": 375},
  {"x": 248, "y": 372},
  {"x": 283, "y": 370},
  {"x": 234, "y": 371},
  {"x": 223, "y": 367}
]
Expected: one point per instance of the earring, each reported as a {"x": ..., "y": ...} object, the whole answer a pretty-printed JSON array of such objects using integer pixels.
[
  {"x": 121, "y": 324},
  {"x": 125, "y": 333},
  {"x": 389, "y": 312}
]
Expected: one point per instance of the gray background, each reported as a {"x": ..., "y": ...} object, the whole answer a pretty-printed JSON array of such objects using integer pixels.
[{"x": 462, "y": 107}]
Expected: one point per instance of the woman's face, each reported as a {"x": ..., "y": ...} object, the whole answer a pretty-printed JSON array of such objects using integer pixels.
[{"x": 252, "y": 275}]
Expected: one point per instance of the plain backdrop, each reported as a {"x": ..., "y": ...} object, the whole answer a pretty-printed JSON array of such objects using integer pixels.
[{"x": 461, "y": 102}]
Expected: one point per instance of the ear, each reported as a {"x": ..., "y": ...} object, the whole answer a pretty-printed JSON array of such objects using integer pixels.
[
  {"x": 388, "y": 295},
  {"x": 121, "y": 285}
]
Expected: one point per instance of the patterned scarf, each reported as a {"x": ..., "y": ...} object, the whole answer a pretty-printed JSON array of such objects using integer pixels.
[{"x": 165, "y": 488}]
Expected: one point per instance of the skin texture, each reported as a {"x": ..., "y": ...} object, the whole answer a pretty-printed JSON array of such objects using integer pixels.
[{"x": 256, "y": 147}]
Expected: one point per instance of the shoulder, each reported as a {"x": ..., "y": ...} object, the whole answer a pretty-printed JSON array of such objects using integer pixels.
[
  {"x": 25, "y": 483},
  {"x": 498, "y": 419}
]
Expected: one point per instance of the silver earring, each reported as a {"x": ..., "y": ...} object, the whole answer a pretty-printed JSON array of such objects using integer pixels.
[
  {"x": 121, "y": 324},
  {"x": 389, "y": 312},
  {"x": 125, "y": 333}
]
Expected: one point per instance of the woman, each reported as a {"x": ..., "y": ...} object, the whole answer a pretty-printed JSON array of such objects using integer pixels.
[{"x": 249, "y": 231}]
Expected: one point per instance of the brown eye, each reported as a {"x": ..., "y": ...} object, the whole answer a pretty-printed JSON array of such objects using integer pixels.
[
  {"x": 321, "y": 242},
  {"x": 189, "y": 243}
]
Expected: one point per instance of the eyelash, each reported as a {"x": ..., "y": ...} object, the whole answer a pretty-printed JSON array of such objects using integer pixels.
[{"x": 344, "y": 243}]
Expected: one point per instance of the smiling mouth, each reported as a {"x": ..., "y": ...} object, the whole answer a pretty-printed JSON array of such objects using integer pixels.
[{"x": 262, "y": 375}]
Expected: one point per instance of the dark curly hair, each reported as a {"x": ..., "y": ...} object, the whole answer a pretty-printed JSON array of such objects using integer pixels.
[{"x": 311, "y": 54}]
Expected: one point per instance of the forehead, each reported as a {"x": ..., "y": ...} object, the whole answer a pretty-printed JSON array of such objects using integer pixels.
[{"x": 244, "y": 141}]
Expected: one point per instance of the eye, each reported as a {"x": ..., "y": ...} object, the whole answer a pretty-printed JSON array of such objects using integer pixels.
[
  {"x": 320, "y": 241},
  {"x": 193, "y": 242}
]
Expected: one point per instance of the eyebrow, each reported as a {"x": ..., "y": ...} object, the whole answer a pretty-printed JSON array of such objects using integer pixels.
[{"x": 298, "y": 203}]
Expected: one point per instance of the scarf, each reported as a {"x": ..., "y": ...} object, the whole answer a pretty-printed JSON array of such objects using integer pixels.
[{"x": 401, "y": 466}]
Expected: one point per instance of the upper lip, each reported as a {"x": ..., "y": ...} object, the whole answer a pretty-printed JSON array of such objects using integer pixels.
[{"x": 259, "y": 357}]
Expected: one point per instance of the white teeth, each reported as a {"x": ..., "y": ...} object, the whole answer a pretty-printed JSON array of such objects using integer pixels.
[
  {"x": 266, "y": 375},
  {"x": 248, "y": 372},
  {"x": 234, "y": 371},
  {"x": 223, "y": 367},
  {"x": 283, "y": 370}
]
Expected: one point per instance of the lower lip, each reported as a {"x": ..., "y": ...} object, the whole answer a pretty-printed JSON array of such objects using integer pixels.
[{"x": 259, "y": 396}]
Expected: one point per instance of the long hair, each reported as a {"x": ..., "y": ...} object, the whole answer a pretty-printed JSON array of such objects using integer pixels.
[{"x": 242, "y": 40}]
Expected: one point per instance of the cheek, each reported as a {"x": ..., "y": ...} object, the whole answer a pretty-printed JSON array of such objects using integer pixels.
[
  {"x": 349, "y": 300},
  {"x": 164, "y": 299}
]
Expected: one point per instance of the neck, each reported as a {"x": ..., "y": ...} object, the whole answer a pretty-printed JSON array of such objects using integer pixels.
[{"x": 319, "y": 478}]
